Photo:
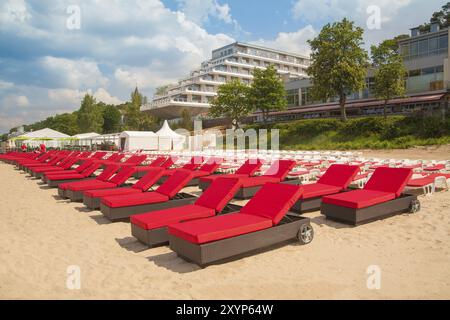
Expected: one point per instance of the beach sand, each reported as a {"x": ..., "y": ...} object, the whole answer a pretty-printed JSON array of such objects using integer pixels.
[
  {"x": 41, "y": 235},
  {"x": 417, "y": 153}
]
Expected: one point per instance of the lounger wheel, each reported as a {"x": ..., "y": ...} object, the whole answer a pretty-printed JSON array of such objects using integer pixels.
[
  {"x": 305, "y": 234},
  {"x": 414, "y": 206}
]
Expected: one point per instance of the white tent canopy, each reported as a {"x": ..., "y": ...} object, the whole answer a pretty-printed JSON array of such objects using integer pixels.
[
  {"x": 33, "y": 138},
  {"x": 169, "y": 139},
  {"x": 137, "y": 140},
  {"x": 84, "y": 139},
  {"x": 88, "y": 135}
]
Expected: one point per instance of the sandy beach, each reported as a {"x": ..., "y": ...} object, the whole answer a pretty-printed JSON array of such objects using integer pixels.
[{"x": 42, "y": 235}]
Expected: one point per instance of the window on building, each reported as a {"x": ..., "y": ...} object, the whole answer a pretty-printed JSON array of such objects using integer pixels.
[
  {"x": 433, "y": 45},
  {"x": 443, "y": 43},
  {"x": 423, "y": 47},
  {"x": 414, "y": 49},
  {"x": 234, "y": 69},
  {"x": 222, "y": 79}
]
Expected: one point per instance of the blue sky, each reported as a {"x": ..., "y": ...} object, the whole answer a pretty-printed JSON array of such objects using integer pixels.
[{"x": 46, "y": 67}]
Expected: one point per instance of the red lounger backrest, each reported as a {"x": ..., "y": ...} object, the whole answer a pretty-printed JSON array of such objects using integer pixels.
[
  {"x": 249, "y": 167},
  {"x": 194, "y": 163},
  {"x": 70, "y": 162},
  {"x": 90, "y": 169},
  {"x": 157, "y": 162},
  {"x": 169, "y": 162},
  {"x": 123, "y": 175},
  {"x": 273, "y": 200},
  {"x": 115, "y": 157},
  {"x": 392, "y": 180},
  {"x": 150, "y": 178},
  {"x": 339, "y": 175},
  {"x": 108, "y": 172},
  {"x": 85, "y": 154},
  {"x": 84, "y": 165},
  {"x": 280, "y": 169},
  {"x": 211, "y": 165},
  {"x": 219, "y": 193},
  {"x": 175, "y": 183},
  {"x": 136, "y": 159},
  {"x": 98, "y": 155}
]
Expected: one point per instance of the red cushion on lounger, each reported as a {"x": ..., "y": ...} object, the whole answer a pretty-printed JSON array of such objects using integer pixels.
[
  {"x": 280, "y": 169},
  {"x": 212, "y": 178},
  {"x": 163, "y": 218},
  {"x": 200, "y": 173},
  {"x": 219, "y": 193},
  {"x": 318, "y": 190},
  {"x": 273, "y": 200},
  {"x": 68, "y": 176},
  {"x": 110, "y": 192},
  {"x": 219, "y": 227},
  {"x": 358, "y": 199},
  {"x": 175, "y": 183},
  {"x": 90, "y": 185},
  {"x": 436, "y": 167},
  {"x": 249, "y": 167},
  {"x": 339, "y": 175},
  {"x": 257, "y": 181},
  {"x": 108, "y": 172},
  {"x": 134, "y": 199},
  {"x": 420, "y": 182},
  {"x": 122, "y": 176},
  {"x": 391, "y": 180},
  {"x": 150, "y": 178}
]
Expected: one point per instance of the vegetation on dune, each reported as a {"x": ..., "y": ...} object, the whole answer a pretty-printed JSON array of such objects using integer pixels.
[{"x": 395, "y": 132}]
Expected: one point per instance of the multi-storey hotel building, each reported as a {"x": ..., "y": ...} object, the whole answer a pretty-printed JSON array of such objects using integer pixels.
[
  {"x": 427, "y": 83},
  {"x": 234, "y": 61}
]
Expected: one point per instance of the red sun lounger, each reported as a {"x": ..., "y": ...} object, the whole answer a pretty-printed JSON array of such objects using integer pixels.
[
  {"x": 263, "y": 222},
  {"x": 54, "y": 180},
  {"x": 336, "y": 179},
  {"x": 193, "y": 164},
  {"x": 74, "y": 191},
  {"x": 158, "y": 162},
  {"x": 205, "y": 170},
  {"x": 381, "y": 197},
  {"x": 151, "y": 228},
  {"x": 248, "y": 169},
  {"x": 276, "y": 173},
  {"x": 86, "y": 164},
  {"x": 65, "y": 164},
  {"x": 91, "y": 198},
  {"x": 103, "y": 177},
  {"x": 165, "y": 196}
]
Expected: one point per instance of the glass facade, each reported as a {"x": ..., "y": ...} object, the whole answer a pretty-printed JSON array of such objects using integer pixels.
[{"x": 428, "y": 46}]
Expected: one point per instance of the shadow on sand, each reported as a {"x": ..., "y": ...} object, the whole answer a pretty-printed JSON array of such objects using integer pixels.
[{"x": 131, "y": 244}]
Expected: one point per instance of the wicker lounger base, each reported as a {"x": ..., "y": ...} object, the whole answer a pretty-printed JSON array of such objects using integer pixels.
[
  {"x": 247, "y": 193},
  {"x": 159, "y": 236},
  {"x": 93, "y": 203},
  {"x": 352, "y": 216},
  {"x": 56, "y": 183},
  {"x": 123, "y": 213},
  {"x": 74, "y": 196},
  {"x": 309, "y": 205},
  {"x": 291, "y": 228},
  {"x": 203, "y": 185}
]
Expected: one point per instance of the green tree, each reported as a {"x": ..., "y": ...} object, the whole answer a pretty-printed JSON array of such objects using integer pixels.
[
  {"x": 186, "y": 120},
  {"x": 267, "y": 92},
  {"x": 442, "y": 17},
  {"x": 134, "y": 118},
  {"x": 231, "y": 102},
  {"x": 390, "y": 72},
  {"x": 111, "y": 119},
  {"x": 338, "y": 62},
  {"x": 90, "y": 118}
]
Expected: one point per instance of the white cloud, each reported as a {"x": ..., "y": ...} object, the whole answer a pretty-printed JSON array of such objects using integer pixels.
[
  {"x": 69, "y": 73},
  {"x": 101, "y": 95},
  {"x": 15, "y": 101},
  {"x": 67, "y": 97},
  {"x": 199, "y": 11},
  {"x": 291, "y": 41},
  {"x": 5, "y": 85}
]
